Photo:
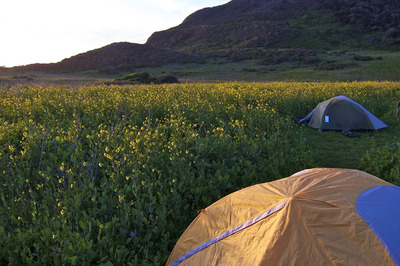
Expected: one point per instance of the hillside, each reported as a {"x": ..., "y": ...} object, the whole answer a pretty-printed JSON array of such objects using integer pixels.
[
  {"x": 270, "y": 31},
  {"x": 115, "y": 58},
  {"x": 309, "y": 24}
]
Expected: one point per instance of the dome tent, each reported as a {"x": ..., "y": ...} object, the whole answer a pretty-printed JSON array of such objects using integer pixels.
[
  {"x": 315, "y": 217},
  {"x": 342, "y": 113}
]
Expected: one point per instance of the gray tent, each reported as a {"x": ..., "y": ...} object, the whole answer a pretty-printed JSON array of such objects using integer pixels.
[{"x": 342, "y": 113}]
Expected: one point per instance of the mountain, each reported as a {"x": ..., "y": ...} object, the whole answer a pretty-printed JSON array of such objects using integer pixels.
[
  {"x": 236, "y": 24},
  {"x": 313, "y": 24},
  {"x": 115, "y": 58},
  {"x": 252, "y": 29}
]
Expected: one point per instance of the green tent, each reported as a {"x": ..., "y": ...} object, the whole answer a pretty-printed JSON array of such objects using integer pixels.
[{"x": 342, "y": 113}]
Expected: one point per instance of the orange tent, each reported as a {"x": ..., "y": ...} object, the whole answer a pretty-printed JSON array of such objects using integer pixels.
[{"x": 314, "y": 217}]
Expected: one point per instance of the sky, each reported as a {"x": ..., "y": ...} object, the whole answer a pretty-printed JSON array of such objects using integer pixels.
[{"x": 47, "y": 31}]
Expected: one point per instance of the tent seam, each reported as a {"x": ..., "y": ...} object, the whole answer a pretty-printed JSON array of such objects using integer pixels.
[
  {"x": 231, "y": 231},
  {"x": 315, "y": 236}
]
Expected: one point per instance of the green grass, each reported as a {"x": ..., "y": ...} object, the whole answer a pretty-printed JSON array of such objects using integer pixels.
[{"x": 334, "y": 150}]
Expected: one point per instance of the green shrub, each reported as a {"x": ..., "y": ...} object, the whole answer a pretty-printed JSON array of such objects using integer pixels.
[
  {"x": 335, "y": 66},
  {"x": 169, "y": 79},
  {"x": 383, "y": 162},
  {"x": 145, "y": 78},
  {"x": 362, "y": 58},
  {"x": 141, "y": 77}
]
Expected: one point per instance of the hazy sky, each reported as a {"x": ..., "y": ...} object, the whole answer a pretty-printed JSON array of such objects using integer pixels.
[{"x": 44, "y": 31}]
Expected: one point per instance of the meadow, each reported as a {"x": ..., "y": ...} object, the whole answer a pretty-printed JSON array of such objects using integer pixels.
[{"x": 114, "y": 174}]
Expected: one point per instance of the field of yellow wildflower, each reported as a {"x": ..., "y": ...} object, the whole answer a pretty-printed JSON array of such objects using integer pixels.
[{"x": 114, "y": 174}]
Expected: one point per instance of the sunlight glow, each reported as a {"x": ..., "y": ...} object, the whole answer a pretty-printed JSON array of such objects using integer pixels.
[{"x": 45, "y": 31}]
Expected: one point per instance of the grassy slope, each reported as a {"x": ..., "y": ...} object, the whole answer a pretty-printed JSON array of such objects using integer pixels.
[{"x": 386, "y": 69}]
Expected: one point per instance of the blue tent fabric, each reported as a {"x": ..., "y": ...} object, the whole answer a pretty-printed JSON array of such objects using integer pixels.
[
  {"x": 379, "y": 207},
  {"x": 378, "y": 124},
  {"x": 308, "y": 117},
  {"x": 323, "y": 106}
]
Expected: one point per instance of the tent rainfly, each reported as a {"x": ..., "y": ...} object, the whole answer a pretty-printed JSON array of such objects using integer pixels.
[
  {"x": 318, "y": 216},
  {"x": 342, "y": 113}
]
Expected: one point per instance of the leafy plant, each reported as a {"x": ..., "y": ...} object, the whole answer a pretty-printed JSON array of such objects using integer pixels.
[{"x": 383, "y": 162}]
